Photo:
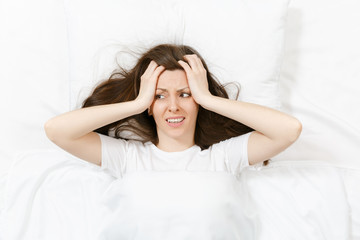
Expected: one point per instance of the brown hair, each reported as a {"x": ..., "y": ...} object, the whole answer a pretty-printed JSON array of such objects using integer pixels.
[{"x": 123, "y": 85}]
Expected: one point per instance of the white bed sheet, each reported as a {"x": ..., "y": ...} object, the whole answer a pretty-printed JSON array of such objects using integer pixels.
[{"x": 51, "y": 195}]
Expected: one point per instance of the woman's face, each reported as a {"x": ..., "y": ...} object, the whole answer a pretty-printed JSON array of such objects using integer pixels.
[{"x": 174, "y": 109}]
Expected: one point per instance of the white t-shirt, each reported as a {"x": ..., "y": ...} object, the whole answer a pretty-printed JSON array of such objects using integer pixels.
[{"x": 121, "y": 156}]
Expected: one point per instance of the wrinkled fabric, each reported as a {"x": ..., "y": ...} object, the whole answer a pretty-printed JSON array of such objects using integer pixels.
[
  {"x": 176, "y": 205},
  {"x": 51, "y": 195}
]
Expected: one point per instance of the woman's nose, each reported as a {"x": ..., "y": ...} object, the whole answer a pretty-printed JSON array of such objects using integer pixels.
[{"x": 173, "y": 105}]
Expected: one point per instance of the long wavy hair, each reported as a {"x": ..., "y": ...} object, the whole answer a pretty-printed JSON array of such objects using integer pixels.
[{"x": 124, "y": 85}]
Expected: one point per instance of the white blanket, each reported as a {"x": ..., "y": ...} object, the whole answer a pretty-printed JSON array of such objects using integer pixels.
[{"x": 51, "y": 195}]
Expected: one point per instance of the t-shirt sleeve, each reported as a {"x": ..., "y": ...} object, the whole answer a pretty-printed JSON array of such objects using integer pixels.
[
  {"x": 113, "y": 155},
  {"x": 235, "y": 152}
]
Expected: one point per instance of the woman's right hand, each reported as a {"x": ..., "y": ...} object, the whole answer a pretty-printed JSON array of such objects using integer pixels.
[{"x": 148, "y": 84}]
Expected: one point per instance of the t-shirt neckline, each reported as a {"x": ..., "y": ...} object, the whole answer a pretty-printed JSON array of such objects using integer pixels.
[{"x": 178, "y": 153}]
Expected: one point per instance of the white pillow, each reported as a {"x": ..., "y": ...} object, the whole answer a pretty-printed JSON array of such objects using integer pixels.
[
  {"x": 240, "y": 40},
  {"x": 34, "y": 74},
  {"x": 319, "y": 81},
  {"x": 54, "y": 58}
]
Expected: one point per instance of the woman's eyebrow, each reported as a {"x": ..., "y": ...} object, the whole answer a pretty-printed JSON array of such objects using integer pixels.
[{"x": 165, "y": 90}]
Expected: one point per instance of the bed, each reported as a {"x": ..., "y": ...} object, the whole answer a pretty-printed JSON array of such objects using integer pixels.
[{"x": 294, "y": 56}]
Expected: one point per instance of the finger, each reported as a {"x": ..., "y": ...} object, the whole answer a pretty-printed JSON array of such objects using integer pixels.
[
  {"x": 185, "y": 66},
  {"x": 194, "y": 61},
  {"x": 154, "y": 78},
  {"x": 200, "y": 62},
  {"x": 151, "y": 67},
  {"x": 159, "y": 70}
]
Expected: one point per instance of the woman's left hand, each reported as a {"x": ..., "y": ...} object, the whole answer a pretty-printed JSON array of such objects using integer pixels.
[{"x": 197, "y": 78}]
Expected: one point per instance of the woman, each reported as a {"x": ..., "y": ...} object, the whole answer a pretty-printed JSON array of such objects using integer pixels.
[{"x": 183, "y": 117}]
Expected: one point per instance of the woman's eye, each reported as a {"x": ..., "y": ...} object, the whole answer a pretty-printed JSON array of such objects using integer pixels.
[
  {"x": 185, "y": 95},
  {"x": 159, "y": 96}
]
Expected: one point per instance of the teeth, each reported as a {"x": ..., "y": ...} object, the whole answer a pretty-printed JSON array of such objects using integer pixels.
[{"x": 175, "y": 120}]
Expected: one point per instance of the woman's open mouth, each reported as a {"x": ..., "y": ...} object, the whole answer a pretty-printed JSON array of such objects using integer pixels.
[{"x": 175, "y": 122}]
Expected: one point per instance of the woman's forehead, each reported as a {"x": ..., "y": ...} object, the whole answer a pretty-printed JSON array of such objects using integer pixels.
[{"x": 174, "y": 79}]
